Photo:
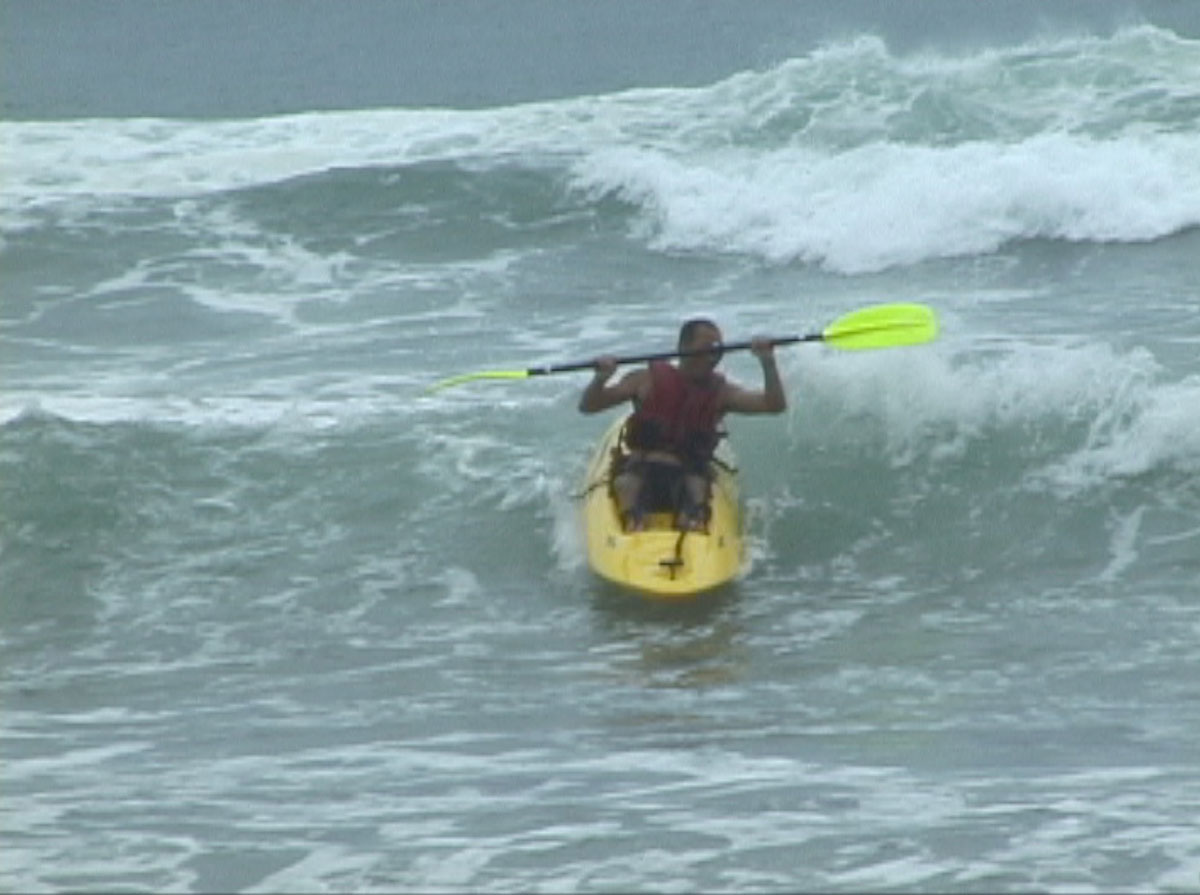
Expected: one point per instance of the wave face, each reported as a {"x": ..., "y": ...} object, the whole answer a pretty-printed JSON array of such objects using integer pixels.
[
  {"x": 851, "y": 158},
  {"x": 275, "y": 618}
]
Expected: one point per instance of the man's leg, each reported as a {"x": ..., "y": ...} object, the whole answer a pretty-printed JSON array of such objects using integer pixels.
[
  {"x": 693, "y": 515},
  {"x": 627, "y": 486}
]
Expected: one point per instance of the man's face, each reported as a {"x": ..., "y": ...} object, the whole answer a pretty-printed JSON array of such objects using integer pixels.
[{"x": 706, "y": 339}]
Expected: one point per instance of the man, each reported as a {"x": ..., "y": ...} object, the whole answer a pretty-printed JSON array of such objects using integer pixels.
[{"x": 674, "y": 428}]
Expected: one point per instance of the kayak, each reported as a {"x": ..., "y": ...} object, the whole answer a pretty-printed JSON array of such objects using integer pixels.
[{"x": 661, "y": 561}]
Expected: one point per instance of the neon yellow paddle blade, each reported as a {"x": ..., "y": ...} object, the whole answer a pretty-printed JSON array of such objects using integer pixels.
[
  {"x": 882, "y": 326},
  {"x": 471, "y": 377}
]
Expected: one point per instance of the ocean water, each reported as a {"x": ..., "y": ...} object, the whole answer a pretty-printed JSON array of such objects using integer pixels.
[{"x": 273, "y": 618}]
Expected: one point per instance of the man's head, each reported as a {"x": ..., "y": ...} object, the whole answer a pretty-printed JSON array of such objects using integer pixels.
[{"x": 701, "y": 335}]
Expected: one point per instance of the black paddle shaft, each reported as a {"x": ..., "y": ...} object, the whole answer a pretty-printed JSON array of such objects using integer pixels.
[{"x": 669, "y": 355}]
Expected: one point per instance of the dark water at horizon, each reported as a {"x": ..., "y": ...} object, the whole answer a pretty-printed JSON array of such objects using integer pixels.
[
  {"x": 274, "y": 619},
  {"x": 127, "y": 58}
]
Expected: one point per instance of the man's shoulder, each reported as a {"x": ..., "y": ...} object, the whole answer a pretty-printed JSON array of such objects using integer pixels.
[{"x": 635, "y": 380}]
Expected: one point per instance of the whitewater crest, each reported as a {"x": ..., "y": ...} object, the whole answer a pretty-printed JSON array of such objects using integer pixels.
[{"x": 852, "y": 158}]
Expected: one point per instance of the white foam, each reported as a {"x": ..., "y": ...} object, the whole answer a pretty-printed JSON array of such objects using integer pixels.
[
  {"x": 1154, "y": 429},
  {"x": 320, "y": 868},
  {"x": 937, "y": 391},
  {"x": 286, "y": 409},
  {"x": 1106, "y": 413},
  {"x": 885, "y": 203},
  {"x": 72, "y": 760},
  {"x": 1123, "y": 546},
  {"x": 462, "y": 587},
  {"x": 826, "y": 158},
  {"x": 48, "y": 162}
]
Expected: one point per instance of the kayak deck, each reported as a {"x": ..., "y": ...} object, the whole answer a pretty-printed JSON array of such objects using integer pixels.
[{"x": 661, "y": 560}]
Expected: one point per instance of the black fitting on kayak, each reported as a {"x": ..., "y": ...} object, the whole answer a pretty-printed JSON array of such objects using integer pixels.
[{"x": 677, "y": 562}]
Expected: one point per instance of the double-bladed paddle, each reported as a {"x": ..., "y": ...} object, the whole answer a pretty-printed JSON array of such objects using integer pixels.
[{"x": 877, "y": 326}]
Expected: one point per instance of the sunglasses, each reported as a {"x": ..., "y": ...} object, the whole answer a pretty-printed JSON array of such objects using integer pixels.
[{"x": 714, "y": 352}]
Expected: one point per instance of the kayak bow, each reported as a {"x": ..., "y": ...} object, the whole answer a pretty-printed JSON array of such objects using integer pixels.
[{"x": 661, "y": 561}]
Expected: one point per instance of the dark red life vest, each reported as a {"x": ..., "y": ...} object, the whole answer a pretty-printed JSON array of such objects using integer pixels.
[{"x": 679, "y": 415}]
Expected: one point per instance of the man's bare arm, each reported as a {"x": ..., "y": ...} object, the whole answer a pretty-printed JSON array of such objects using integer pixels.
[
  {"x": 772, "y": 398},
  {"x": 599, "y": 395}
]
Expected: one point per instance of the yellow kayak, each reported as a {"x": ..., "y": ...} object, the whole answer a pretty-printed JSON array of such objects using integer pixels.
[{"x": 661, "y": 561}]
